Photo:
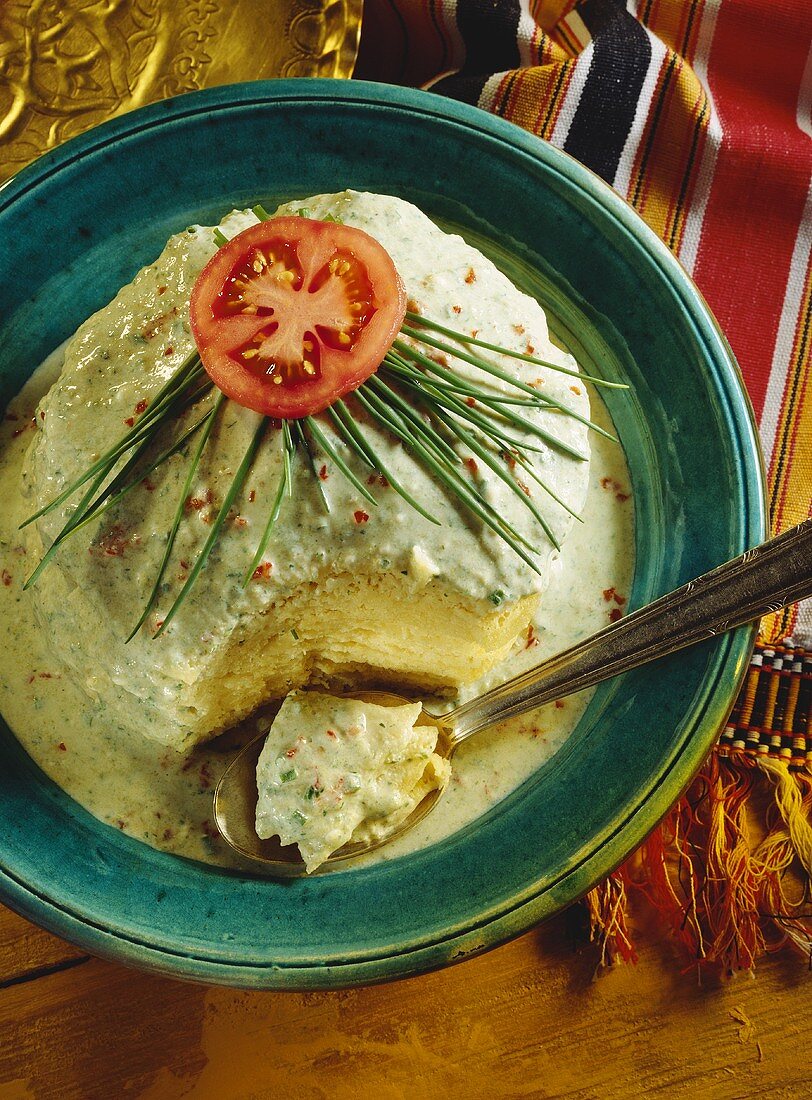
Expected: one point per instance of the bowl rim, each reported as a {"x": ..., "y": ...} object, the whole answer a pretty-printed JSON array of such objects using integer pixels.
[{"x": 642, "y": 813}]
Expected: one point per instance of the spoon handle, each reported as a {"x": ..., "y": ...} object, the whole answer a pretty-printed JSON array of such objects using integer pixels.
[{"x": 763, "y": 579}]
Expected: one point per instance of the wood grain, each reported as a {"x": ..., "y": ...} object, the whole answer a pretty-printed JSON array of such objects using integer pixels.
[{"x": 528, "y": 1020}]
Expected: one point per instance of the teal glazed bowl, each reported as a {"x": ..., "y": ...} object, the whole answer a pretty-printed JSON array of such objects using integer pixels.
[{"x": 81, "y": 221}]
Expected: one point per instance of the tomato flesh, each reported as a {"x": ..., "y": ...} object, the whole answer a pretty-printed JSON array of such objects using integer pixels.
[{"x": 294, "y": 313}]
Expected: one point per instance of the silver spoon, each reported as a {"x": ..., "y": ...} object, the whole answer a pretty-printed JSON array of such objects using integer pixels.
[{"x": 762, "y": 580}]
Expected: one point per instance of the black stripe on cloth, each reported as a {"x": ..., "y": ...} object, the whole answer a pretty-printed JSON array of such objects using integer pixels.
[
  {"x": 466, "y": 88},
  {"x": 606, "y": 109},
  {"x": 489, "y": 32}
]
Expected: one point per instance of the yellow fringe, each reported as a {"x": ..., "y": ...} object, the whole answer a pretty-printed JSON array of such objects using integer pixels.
[
  {"x": 792, "y": 806},
  {"x": 607, "y": 907},
  {"x": 725, "y": 895}
]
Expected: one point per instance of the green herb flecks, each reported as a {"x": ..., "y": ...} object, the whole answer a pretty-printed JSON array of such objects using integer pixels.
[{"x": 451, "y": 424}]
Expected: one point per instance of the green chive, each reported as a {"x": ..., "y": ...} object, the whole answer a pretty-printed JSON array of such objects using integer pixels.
[
  {"x": 216, "y": 527},
  {"x": 179, "y": 511}
]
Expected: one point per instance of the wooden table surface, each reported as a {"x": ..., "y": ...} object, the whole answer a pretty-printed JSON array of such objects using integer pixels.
[{"x": 530, "y": 1019}]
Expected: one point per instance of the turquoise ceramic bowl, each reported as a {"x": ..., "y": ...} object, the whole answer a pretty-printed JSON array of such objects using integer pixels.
[{"x": 79, "y": 223}]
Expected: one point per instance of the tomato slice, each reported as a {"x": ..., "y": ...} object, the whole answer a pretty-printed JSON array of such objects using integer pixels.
[{"x": 294, "y": 313}]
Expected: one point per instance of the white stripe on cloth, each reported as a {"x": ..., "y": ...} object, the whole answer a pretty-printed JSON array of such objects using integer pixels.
[
  {"x": 487, "y": 97},
  {"x": 527, "y": 28},
  {"x": 580, "y": 72},
  {"x": 659, "y": 54},
  {"x": 695, "y": 215},
  {"x": 787, "y": 327}
]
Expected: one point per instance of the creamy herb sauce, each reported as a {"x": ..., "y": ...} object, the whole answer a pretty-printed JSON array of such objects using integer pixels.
[
  {"x": 335, "y": 769},
  {"x": 116, "y": 364},
  {"x": 164, "y": 798}
]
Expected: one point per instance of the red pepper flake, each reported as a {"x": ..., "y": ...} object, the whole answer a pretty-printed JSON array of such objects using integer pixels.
[
  {"x": 519, "y": 329},
  {"x": 532, "y": 638},
  {"x": 530, "y": 349},
  {"x": 323, "y": 473},
  {"x": 457, "y": 309},
  {"x": 46, "y": 675},
  {"x": 576, "y": 390},
  {"x": 470, "y": 402},
  {"x": 194, "y": 504},
  {"x": 361, "y": 516},
  {"x": 129, "y": 421},
  {"x": 6, "y": 577},
  {"x": 168, "y": 834},
  {"x": 291, "y": 752},
  {"x": 113, "y": 543},
  {"x": 141, "y": 407},
  {"x": 615, "y": 614},
  {"x": 610, "y": 484},
  {"x": 509, "y": 458},
  {"x": 240, "y": 521},
  {"x": 62, "y": 746},
  {"x": 148, "y": 485},
  {"x": 169, "y": 350},
  {"x": 472, "y": 466},
  {"x": 471, "y": 276},
  {"x": 120, "y": 823},
  {"x": 559, "y": 704},
  {"x": 524, "y": 488},
  {"x": 377, "y": 479},
  {"x": 439, "y": 358},
  {"x": 159, "y": 623},
  {"x": 262, "y": 572},
  {"x": 332, "y": 733},
  {"x": 184, "y": 564},
  {"x": 42, "y": 414},
  {"x": 252, "y": 496},
  {"x": 205, "y": 777},
  {"x": 162, "y": 290},
  {"x": 610, "y": 594},
  {"x": 158, "y": 323}
]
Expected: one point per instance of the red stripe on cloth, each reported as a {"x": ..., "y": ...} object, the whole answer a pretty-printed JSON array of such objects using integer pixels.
[{"x": 756, "y": 63}]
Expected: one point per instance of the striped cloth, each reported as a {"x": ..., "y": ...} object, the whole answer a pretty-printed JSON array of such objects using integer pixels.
[{"x": 699, "y": 112}]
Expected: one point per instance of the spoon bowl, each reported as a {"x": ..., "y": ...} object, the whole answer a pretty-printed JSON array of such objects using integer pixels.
[
  {"x": 235, "y": 800},
  {"x": 760, "y": 581}
]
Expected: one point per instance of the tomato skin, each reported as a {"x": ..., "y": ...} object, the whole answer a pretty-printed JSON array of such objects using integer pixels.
[{"x": 294, "y": 313}]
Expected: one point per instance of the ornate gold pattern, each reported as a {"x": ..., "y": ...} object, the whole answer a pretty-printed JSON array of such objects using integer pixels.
[{"x": 65, "y": 67}]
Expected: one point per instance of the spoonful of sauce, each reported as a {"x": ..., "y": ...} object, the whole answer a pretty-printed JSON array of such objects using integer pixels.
[{"x": 761, "y": 580}]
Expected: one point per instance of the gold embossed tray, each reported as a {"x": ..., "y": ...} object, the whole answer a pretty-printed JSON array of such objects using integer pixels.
[{"x": 65, "y": 67}]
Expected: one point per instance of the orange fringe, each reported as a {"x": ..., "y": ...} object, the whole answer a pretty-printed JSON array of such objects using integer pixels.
[{"x": 725, "y": 893}]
